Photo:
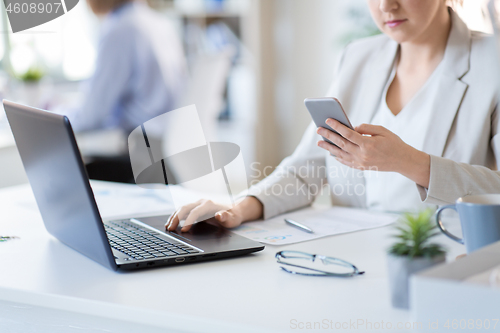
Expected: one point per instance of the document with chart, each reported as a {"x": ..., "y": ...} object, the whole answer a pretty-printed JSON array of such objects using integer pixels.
[{"x": 323, "y": 221}]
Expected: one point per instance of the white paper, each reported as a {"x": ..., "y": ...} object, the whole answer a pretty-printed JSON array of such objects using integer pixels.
[
  {"x": 324, "y": 222},
  {"x": 130, "y": 200},
  {"x": 116, "y": 200}
]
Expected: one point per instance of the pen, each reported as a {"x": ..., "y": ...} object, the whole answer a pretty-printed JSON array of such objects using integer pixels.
[
  {"x": 6, "y": 238},
  {"x": 299, "y": 225}
]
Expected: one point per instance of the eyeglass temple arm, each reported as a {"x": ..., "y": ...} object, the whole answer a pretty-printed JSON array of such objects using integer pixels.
[{"x": 356, "y": 271}]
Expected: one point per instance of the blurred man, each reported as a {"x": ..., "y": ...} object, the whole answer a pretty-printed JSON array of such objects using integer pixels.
[
  {"x": 140, "y": 73},
  {"x": 140, "y": 68}
]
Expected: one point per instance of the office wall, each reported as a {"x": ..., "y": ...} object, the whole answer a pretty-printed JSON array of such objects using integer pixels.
[
  {"x": 305, "y": 33},
  {"x": 298, "y": 43}
]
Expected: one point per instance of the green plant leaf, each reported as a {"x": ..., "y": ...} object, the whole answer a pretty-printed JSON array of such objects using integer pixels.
[
  {"x": 413, "y": 234},
  {"x": 33, "y": 74}
]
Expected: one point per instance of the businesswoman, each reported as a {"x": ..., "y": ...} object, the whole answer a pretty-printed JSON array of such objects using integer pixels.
[{"x": 423, "y": 95}]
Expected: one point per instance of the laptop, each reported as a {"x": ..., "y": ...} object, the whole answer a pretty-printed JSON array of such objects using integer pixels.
[{"x": 61, "y": 186}]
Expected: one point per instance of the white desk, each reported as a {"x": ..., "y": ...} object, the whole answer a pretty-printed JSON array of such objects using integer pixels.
[{"x": 243, "y": 294}]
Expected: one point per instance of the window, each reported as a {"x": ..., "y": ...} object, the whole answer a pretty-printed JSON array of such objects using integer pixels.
[{"x": 63, "y": 48}]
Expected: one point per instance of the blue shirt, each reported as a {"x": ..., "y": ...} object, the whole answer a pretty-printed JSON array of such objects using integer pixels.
[{"x": 140, "y": 71}]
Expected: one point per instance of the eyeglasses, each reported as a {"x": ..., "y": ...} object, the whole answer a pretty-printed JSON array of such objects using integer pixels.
[{"x": 306, "y": 264}]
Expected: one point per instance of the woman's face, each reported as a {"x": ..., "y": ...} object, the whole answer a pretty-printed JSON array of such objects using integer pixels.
[{"x": 406, "y": 20}]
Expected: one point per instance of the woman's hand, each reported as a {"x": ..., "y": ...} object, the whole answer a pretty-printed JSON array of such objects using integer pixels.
[
  {"x": 247, "y": 209},
  {"x": 371, "y": 147}
]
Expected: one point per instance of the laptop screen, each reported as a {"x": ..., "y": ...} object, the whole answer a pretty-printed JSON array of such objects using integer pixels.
[{"x": 59, "y": 181}]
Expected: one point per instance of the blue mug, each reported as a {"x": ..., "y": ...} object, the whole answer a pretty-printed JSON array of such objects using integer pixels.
[{"x": 479, "y": 218}]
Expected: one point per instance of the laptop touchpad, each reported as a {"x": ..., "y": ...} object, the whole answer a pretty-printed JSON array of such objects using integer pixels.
[{"x": 208, "y": 229}]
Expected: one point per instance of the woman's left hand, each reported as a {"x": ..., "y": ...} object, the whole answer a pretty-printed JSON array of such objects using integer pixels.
[{"x": 372, "y": 147}]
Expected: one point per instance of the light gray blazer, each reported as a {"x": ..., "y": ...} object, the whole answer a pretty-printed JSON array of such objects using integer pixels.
[{"x": 462, "y": 138}]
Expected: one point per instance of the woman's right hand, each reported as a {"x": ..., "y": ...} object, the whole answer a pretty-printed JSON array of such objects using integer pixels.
[{"x": 249, "y": 208}]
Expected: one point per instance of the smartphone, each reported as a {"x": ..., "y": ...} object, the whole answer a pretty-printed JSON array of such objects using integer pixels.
[{"x": 326, "y": 107}]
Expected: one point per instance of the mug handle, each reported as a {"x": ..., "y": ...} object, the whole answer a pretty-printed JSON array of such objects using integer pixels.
[{"x": 441, "y": 226}]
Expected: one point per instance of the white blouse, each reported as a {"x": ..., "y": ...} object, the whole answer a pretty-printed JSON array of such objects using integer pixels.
[{"x": 391, "y": 191}]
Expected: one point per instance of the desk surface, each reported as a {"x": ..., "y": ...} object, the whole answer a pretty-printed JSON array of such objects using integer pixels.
[{"x": 240, "y": 294}]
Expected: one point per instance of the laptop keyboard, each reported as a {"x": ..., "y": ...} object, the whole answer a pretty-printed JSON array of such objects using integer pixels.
[{"x": 142, "y": 243}]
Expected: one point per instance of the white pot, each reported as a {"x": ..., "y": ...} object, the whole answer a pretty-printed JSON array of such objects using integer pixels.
[
  {"x": 30, "y": 93},
  {"x": 400, "y": 269}
]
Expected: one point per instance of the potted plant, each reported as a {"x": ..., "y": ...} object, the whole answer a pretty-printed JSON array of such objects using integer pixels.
[
  {"x": 413, "y": 252},
  {"x": 32, "y": 75},
  {"x": 30, "y": 91}
]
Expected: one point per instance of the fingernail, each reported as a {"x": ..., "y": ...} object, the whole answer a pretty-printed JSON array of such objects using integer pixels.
[{"x": 222, "y": 217}]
